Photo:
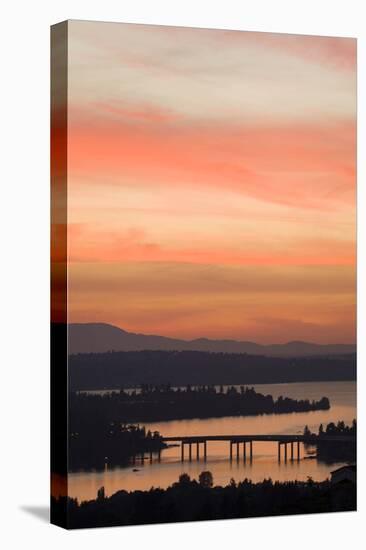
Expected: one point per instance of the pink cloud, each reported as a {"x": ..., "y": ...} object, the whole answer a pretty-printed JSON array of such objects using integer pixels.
[
  {"x": 93, "y": 244},
  {"x": 292, "y": 165}
]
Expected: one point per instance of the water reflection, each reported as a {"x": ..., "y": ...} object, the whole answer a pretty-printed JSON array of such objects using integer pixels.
[{"x": 145, "y": 474}]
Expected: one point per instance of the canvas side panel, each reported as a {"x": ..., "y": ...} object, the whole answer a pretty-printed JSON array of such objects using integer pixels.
[{"x": 59, "y": 401}]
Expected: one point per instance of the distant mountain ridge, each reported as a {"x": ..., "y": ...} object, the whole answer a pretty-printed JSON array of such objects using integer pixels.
[{"x": 102, "y": 337}]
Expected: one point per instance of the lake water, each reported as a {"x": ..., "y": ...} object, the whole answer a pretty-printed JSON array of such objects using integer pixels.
[{"x": 342, "y": 395}]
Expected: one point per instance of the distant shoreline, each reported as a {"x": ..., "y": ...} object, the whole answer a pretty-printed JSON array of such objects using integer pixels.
[
  {"x": 195, "y": 368},
  {"x": 137, "y": 386}
]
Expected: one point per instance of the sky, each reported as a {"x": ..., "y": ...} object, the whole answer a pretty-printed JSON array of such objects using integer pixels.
[{"x": 212, "y": 182}]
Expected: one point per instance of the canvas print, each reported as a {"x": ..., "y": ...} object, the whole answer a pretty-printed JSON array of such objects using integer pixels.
[{"x": 203, "y": 241}]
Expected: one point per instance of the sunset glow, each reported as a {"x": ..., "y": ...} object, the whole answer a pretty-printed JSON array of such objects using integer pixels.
[{"x": 212, "y": 182}]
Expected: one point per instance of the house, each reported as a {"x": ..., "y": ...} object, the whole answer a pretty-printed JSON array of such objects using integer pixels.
[{"x": 344, "y": 474}]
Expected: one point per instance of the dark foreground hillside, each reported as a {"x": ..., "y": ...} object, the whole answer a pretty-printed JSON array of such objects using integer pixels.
[
  {"x": 126, "y": 369},
  {"x": 189, "y": 500}
]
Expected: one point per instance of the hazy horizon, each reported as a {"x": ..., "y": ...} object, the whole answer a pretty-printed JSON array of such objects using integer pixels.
[{"x": 203, "y": 337}]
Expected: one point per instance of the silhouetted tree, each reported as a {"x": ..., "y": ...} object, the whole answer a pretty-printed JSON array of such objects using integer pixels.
[
  {"x": 307, "y": 432},
  {"x": 331, "y": 428},
  {"x": 206, "y": 479},
  {"x": 184, "y": 479},
  {"x": 101, "y": 494}
]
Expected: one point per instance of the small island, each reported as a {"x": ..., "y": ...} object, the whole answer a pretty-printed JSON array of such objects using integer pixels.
[{"x": 155, "y": 403}]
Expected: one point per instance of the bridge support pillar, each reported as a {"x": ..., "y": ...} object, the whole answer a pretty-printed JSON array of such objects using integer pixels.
[
  {"x": 151, "y": 456},
  {"x": 286, "y": 446},
  {"x": 159, "y": 455}
]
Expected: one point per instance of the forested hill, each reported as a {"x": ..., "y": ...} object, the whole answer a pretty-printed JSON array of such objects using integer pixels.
[{"x": 125, "y": 369}]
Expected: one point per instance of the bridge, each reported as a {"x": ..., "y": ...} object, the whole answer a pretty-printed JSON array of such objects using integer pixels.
[{"x": 236, "y": 442}]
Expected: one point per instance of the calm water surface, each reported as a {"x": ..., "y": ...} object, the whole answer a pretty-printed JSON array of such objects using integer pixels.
[{"x": 342, "y": 395}]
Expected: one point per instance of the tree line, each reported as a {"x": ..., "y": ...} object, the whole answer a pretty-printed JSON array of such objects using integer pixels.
[
  {"x": 116, "y": 369},
  {"x": 155, "y": 403},
  {"x": 333, "y": 451},
  {"x": 97, "y": 443},
  {"x": 197, "y": 500}
]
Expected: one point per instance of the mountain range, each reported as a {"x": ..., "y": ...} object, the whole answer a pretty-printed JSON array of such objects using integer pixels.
[{"x": 103, "y": 337}]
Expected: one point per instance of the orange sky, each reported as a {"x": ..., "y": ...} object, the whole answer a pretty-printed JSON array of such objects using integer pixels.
[{"x": 211, "y": 182}]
